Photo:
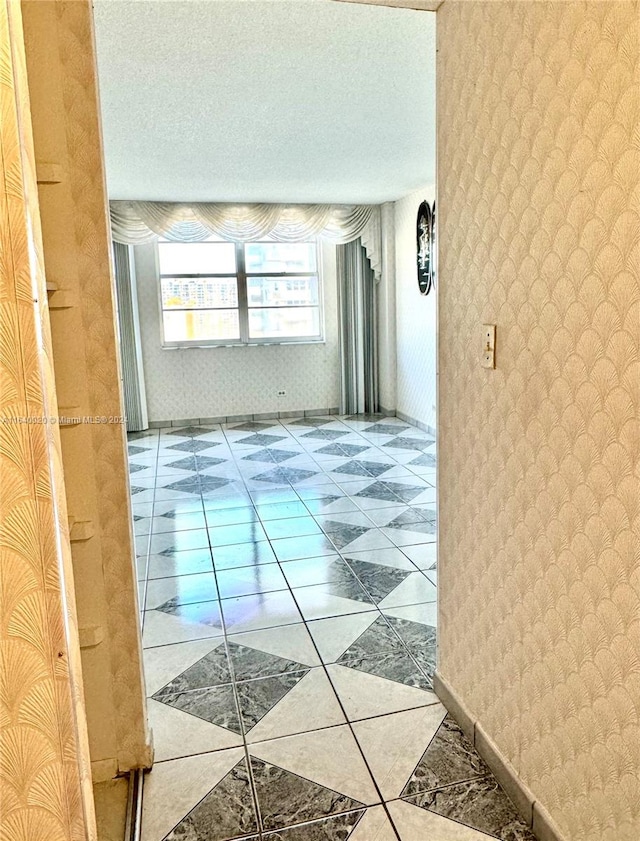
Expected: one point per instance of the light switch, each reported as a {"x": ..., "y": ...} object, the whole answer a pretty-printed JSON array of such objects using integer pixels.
[{"x": 488, "y": 359}]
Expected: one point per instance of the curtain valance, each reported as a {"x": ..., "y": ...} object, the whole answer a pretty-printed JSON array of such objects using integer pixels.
[{"x": 138, "y": 222}]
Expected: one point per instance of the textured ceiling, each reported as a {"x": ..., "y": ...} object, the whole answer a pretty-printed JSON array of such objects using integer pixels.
[{"x": 265, "y": 100}]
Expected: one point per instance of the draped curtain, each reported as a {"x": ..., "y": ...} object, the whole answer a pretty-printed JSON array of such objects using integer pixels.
[
  {"x": 128, "y": 331},
  {"x": 355, "y": 229},
  {"x": 138, "y": 222},
  {"x": 357, "y": 329}
]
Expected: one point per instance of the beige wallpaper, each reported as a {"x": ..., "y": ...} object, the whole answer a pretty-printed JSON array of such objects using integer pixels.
[
  {"x": 77, "y": 247},
  {"x": 415, "y": 319},
  {"x": 45, "y": 782},
  {"x": 538, "y": 107}
]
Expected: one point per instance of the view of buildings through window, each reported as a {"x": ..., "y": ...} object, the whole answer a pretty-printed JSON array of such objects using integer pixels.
[{"x": 221, "y": 292}]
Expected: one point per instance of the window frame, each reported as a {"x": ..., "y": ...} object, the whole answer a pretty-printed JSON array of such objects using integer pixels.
[{"x": 243, "y": 307}]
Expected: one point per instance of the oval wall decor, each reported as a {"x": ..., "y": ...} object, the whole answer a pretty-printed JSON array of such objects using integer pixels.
[{"x": 425, "y": 242}]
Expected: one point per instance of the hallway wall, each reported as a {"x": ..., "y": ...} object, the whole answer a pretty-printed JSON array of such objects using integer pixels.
[
  {"x": 538, "y": 567},
  {"x": 415, "y": 320},
  {"x": 223, "y": 381},
  {"x": 65, "y": 115},
  {"x": 45, "y": 779}
]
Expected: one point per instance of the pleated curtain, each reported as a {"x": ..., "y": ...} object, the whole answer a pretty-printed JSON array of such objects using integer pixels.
[
  {"x": 357, "y": 330},
  {"x": 132, "y": 375}
]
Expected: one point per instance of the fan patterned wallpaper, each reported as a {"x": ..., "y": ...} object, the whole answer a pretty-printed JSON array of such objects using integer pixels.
[
  {"x": 45, "y": 778},
  {"x": 219, "y": 382},
  {"x": 539, "y": 233}
]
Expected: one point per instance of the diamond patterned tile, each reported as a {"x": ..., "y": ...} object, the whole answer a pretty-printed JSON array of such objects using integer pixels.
[
  {"x": 363, "y": 468},
  {"x": 285, "y": 474},
  {"x": 193, "y": 445},
  {"x": 310, "y": 422},
  {"x": 196, "y": 462},
  {"x": 284, "y": 798},
  {"x": 212, "y": 818},
  {"x": 192, "y": 432},
  {"x": 348, "y": 450},
  {"x": 387, "y": 428},
  {"x": 260, "y": 440},
  {"x": 425, "y": 460},
  {"x": 402, "y": 443},
  {"x": 326, "y": 434},
  {"x": 270, "y": 454}
]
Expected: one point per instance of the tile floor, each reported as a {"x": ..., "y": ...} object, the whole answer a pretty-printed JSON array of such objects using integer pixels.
[{"x": 288, "y": 586}]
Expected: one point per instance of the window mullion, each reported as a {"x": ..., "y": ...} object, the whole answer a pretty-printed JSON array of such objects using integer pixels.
[{"x": 243, "y": 295}]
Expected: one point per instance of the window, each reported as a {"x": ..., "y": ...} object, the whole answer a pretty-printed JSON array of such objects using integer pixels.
[{"x": 239, "y": 293}]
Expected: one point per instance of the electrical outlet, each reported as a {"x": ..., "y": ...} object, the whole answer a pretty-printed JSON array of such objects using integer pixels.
[
  {"x": 488, "y": 359},
  {"x": 281, "y": 392}
]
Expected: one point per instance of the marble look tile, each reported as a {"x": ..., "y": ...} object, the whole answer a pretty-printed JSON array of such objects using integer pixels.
[
  {"x": 244, "y": 581},
  {"x": 249, "y": 663},
  {"x": 335, "y": 635},
  {"x": 427, "y": 614},
  {"x": 190, "y": 562},
  {"x": 291, "y": 642},
  {"x": 216, "y": 704},
  {"x": 173, "y": 788},
  {"x": 202, "y": 613},
  {"x": 260, "y": 440},
  {"x": 310, "y": 421},
  {"x": 480, "y": 804},
  {"x": 192, "y": 445},
  {"x": 325, "y": 434},
  {"x": 331, "y": 505},
  {"x": 349, "y": 450},
  {"x": 163, "y": 663},
  {"x": 234, "y": 495},
  {"x": 236, "y": 534},
  {"x": 210, "y": 670},
  {"x": 167, "y": 593},
  {"x": 449, "y": 758},
  {"x": 415, "y": 824},
  {"x": 393, "y": 665},
  {"x": 373, "y": 539},
  {"x": 243, "y": 555},
  {"x": 365, "y": 695},
  {"x": 160, "y": 628},
  {"x": 311, "y": 546},
  {"x": 310, "y": 704},
  {"x": 267, "y": 610},
  {"x": 270, "y": 496},
  {"x": 176, "y": 733},
  {"x": 281, "y": 510},
  {"x": 165, "y": 544},
  {"x": 335, "y": 828},
  {"x": 414, "y": 442},
  {"x": 390, "y": 557},
  {"x": 292, "y": 475},
  {"x": 226, "y": 812},
  {"x": 374, "y": 826},
  {"x": 257, "y": 697},
  {"x": 423, "y": 555},
  {"x": 379, "y": 581},
  {"x": 316, "y": 571},
  {"x": 392, "y": 744},
  {"x": 420, "y": 639},
  {"x": 231, "y": 516},
  {"x": 321, "y": 601},
  {"x": 329, "y": 757},
  {"x": 292, "y": 527},
  {"x": 415, "y": 589},
  {"x": 343, "y": 534}
]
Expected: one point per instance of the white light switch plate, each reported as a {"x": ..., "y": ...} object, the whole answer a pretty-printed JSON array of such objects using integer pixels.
[{"x": 488, "y": 359}]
